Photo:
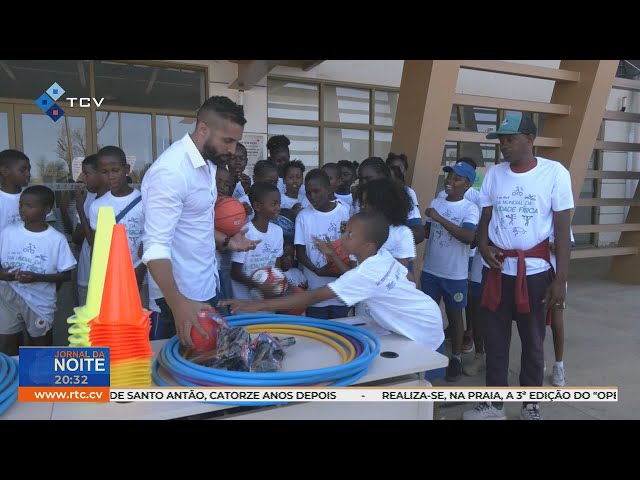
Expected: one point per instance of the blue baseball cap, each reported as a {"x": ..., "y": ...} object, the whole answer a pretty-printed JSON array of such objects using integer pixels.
[
  {"x": 514, "y": 123},
  {"x": 463, "y": 169}
]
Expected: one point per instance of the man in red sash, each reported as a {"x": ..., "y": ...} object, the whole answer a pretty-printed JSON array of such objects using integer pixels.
[{"x": 523, "y": 200}]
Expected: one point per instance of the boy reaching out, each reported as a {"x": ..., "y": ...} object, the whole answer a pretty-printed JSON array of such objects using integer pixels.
[{"x": 379, "y": 282}]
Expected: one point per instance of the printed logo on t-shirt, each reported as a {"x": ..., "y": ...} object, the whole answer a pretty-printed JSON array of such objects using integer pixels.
[{"x": 517, "y": 210}]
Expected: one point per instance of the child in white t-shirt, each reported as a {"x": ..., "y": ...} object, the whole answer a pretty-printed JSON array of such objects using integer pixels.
[
  {"x": 96, "y": 187},
  {"x": 293, "y": 198},
  {"x": 34, "y": 257},
  {"x": 265, "y": 200},
  {"x": 236, "y": 164},
  {"x": 321, "y": 219},
  {"x": 390, "y": 198},
  {"x": 379, "y": 282},
  {"x": 125, "y": 201},
  {"x": 348, "y": 174},
  {"x": 451, "y": 226},
  {"x": 15, "y": 173}
]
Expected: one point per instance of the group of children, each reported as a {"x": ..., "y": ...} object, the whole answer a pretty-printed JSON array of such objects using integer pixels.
[
  {"x": 35, "y": 258},
  {"x": 298, "y": 218}
]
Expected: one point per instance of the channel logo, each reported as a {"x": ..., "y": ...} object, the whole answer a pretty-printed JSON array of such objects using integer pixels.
[{"x": 47, "y": 102}]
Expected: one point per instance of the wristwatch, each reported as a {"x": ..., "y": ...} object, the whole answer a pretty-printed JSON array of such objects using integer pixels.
[{"x": 227, "y": 239}]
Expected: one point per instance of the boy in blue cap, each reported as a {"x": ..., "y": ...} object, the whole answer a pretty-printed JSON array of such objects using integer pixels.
[{"x": 451, "y": 226}]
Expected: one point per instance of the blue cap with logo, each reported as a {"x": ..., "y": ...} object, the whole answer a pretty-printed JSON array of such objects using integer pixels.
[
  {"x": 514, "y": 123},
  {"x": 463, "y": 169}
]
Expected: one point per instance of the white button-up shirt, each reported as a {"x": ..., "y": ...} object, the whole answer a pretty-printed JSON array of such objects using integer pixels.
[{"x": 179, "y": 193}]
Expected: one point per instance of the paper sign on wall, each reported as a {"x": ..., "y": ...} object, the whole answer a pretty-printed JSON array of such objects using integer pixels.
[
  {"x": 76, "y": 167},
  {"x": 256, "y": 147}
]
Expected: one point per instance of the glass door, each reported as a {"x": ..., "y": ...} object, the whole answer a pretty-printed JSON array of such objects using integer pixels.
[
  {"x": 7, "y": 131},
  {"x": 52, "y": 146},
  {"x": 56, "y": 150}
]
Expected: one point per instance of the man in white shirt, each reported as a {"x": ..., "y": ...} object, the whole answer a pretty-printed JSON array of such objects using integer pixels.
[
  {"x": 523, "y": 200},
  {"x": 179, "y": 193}
]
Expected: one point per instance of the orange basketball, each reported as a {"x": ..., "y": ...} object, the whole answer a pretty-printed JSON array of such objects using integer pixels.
[
  {"x": 337, "y": 245},
  {"x": 229, "y": 215}
]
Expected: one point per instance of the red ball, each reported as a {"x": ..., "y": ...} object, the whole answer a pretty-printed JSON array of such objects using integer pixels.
[
  {"x": 200, "y": 343},
  {"x": 337, "y": 245},
  {"x": 229, "y": 215}
]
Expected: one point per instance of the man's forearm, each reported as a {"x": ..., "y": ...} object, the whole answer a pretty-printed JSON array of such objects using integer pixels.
[{"x": 162, "y": 272}]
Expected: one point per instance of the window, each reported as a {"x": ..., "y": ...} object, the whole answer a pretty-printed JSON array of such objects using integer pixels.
[
  {"x": 146, "y": 107},
  {"x": 149, "y": 86},
  {"x": 327, "y": 121}
]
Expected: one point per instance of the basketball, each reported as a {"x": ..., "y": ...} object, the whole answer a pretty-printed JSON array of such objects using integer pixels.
[
  {"x": 337, "y": 245},
  {"x": 271, "y": 275},
  {"x": 211, "y": 321},
  {"x": 229, "y": 215}
]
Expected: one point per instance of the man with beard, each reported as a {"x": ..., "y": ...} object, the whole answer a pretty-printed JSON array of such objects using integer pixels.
[{"x": 179, "y": 193}]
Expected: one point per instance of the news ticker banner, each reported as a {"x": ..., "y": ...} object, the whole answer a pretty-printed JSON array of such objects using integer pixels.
[
  {"x": 366, "y": 394},
  {"x": 72, "y": 374},
  {"x": 82, "y": 374}
]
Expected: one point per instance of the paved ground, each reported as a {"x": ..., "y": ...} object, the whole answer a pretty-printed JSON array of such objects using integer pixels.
[{"x": 602, "y": 348}]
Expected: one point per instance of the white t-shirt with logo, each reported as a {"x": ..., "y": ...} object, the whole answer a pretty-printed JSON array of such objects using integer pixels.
[
  {"x": 84, "y": 260},
  {"x": 39, "y": 252},
  {"x": 265, "y": 255},
  {"x": 133, "y": 220},
  {"x": 400, "y": 242},
  {"x": 523, "y": 206},
  {"x": 386, "y": 296},
  {"x": 9, "y": 209},
  {"x": 446, "y": 256},
  {"x": 313, "y": 223},
  {"x": 472, "y": 195}
]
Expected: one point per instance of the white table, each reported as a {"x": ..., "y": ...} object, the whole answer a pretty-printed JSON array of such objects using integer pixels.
[{"x": 405, "y": 370}]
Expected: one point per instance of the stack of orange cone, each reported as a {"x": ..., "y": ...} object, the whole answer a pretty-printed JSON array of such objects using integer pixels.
[{"x": 122, "y": 324}]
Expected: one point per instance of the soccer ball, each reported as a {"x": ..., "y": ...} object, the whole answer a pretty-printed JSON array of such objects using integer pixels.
[{"x": 270, "y": 275}]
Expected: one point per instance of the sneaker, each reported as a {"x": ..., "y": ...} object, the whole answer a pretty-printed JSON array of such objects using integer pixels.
[
  {"x": 474, "y": 366},
  {"x": 557, "y": 378},
  {"x": 454, "y": 370},
  {"x": 485, "y": 411},
  {"x": 530, "y": 412},
  {"x": 467, "y": 343}
]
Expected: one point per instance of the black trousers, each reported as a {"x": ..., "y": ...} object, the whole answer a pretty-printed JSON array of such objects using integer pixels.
[{"x": 531, "y": 328}]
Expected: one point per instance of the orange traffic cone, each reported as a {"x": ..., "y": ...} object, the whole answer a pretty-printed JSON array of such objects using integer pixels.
[{"x": 121, "y": 299}]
